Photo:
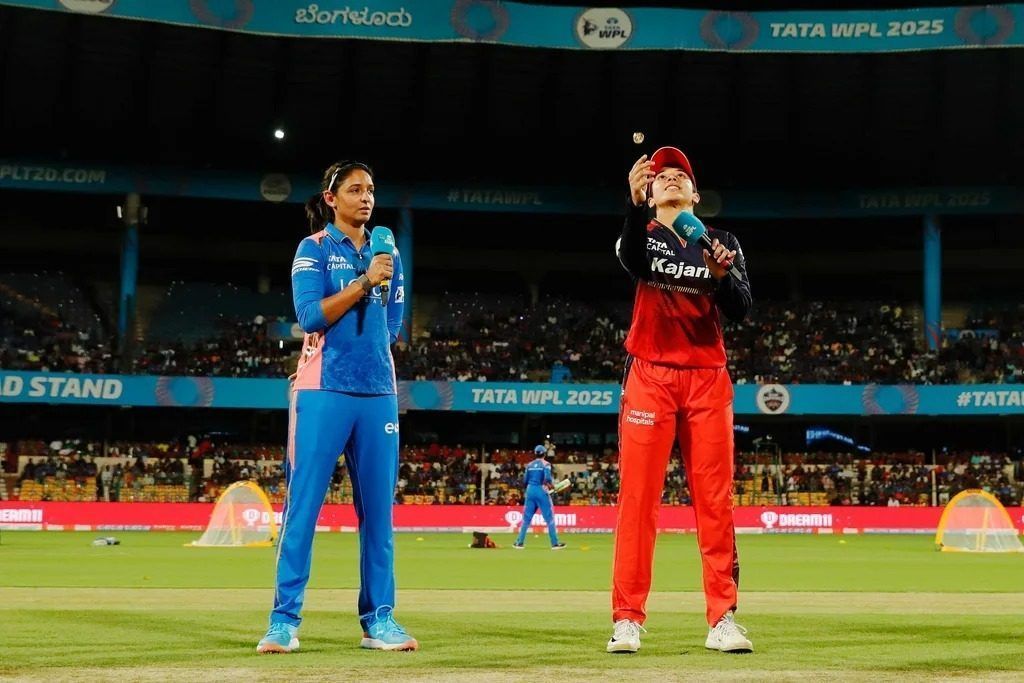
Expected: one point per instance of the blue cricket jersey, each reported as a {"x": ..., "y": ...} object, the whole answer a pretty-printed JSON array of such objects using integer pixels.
[
  {"x": 353, "y": 354},
  {"x": 538, "y": 473}
]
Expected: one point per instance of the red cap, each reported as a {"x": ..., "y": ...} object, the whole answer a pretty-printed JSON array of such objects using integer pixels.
[{"x": 672, "y": 158}]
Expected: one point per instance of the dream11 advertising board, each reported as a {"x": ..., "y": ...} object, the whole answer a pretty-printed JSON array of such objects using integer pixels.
[{"x": 462, "y": 518}]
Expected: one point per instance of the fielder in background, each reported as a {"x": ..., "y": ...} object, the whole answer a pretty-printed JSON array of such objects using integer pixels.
[
  {"x": 539, "y": 483},
  {"x": 676, "y": 387}
]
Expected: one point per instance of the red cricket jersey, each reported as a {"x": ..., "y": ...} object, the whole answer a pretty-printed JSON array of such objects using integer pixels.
[{"x": 675, "y": 312}]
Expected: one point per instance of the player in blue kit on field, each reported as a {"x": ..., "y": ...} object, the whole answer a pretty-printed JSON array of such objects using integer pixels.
[
  {"x": 343, "y": 400},
  {"x": 539, "y": 481}
]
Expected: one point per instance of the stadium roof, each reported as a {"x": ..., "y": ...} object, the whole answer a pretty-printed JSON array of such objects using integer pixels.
[{"x": 88, "y": 88}]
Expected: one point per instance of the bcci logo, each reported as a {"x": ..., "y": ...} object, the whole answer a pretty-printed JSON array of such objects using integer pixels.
[
  {"x": 773, "y": 399},
  {"x": 604, "y": 28},
  {"x": 769, "y": 518}
]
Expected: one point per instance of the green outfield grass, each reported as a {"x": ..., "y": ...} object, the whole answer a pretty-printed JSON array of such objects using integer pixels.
[{"x": 858, "y": 607}]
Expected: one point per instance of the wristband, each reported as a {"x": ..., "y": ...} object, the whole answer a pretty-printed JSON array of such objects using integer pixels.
[{"x": 364, "y": 282}]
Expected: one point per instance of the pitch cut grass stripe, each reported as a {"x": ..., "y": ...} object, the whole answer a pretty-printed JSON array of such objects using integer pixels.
[
  {"x": 786, "y": 563},
  {"x": 487, "y": 601},
  {"x": 556, "y": 644},
  {"x": 449, "y": 675}
]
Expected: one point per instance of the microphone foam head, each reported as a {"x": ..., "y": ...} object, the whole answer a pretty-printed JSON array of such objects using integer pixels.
[
  {"x": 382, "y": 240},
  {"x": 689, "y": 227}
]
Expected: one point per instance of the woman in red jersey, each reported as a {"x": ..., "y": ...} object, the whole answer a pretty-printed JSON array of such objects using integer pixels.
[{"x": 676, "y": 387}]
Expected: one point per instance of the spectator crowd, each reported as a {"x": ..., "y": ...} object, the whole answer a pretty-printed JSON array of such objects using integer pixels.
[
  {"x": 862, "y": 343},
  {"x": 488, "y": 338},
  {"x": 447, "y": 474},
  {"x": 238, "y": 349}
]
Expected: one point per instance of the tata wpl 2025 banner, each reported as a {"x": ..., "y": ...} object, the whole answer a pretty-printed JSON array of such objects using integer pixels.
[
  {"x": 510, "y": 397},
  {"x": 580, "y": 28}
]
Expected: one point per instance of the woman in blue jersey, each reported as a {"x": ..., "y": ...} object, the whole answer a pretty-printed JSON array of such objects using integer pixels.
[
  {"x": 538, "y": 480},
  {"x": 343, "y": 400}
]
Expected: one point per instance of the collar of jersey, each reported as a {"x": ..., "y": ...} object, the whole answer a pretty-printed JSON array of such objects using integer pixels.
[{"x": 338, "y": 236}]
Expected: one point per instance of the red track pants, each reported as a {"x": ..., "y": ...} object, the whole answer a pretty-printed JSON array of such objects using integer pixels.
[{"x": 658, "y": 405}]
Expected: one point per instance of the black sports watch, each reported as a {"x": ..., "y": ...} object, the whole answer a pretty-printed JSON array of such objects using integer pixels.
[{"x": 364, "y": 282}]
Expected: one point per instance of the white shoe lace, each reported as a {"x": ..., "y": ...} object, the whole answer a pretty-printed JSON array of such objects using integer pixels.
[
  {"x": 727, "y": 627},
  {"x": 627, "y": 630}
]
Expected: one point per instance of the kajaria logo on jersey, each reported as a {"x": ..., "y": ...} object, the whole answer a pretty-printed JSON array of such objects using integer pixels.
[{"x": 678, "y": 270}]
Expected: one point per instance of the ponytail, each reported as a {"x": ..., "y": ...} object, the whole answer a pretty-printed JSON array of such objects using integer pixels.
[{"x": 317, "y": 213}]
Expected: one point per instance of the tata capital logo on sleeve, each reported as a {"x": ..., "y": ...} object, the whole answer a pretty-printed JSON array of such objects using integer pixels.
[
  {"x": 87, "y": 6},
  {"x": 772, "y": 399},
  {"x": 604, "y": 27}
]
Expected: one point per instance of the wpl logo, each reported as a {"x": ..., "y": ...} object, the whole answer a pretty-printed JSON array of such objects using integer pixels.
[{"x": 604, "y": 28}]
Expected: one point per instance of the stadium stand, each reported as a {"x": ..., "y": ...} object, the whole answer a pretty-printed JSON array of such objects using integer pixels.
[
  {"x": 864, "y": 342},
  {"x": 189, "y": 311},
  {"x": 46, "y": 323},
  {"x": 224, "y": 330},
  {"x": 445, "y": 474}
]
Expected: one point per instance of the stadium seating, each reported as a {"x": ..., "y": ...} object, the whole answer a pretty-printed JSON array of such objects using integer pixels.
[
  {"x": 52, "y": 295},
  {"x": 441, "y": 474},
  {"x": 193, "y": 312},
  {"x": 196, "y": 328},
  {"x": 156, "y": 493},
  {"x": 58, "y": 490},
  {"x": 47, "y": 322}
]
